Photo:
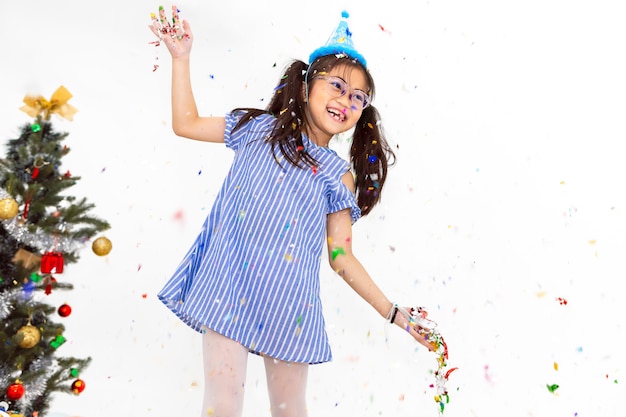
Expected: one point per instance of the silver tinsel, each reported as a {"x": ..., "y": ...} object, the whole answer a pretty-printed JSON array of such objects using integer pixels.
[
  {"x": 5, "y": 297},
  {"x": 36, "y": 387},
  {"x": 40, "y": 239},
  {"x": 18, "y": 228}
]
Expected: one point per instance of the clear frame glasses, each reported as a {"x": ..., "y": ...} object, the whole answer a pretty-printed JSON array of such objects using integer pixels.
[{"x": 337, "y": 87}]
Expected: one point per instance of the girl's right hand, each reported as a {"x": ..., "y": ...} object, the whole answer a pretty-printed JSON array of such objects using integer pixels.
[{"x": 176, "y": 36}]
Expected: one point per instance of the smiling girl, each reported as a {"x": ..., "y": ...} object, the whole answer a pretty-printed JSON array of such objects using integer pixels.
[{"x": 250, "y": 281}]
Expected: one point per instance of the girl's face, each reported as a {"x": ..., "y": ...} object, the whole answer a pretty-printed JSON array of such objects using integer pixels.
[{"x": 335, "y": 103}]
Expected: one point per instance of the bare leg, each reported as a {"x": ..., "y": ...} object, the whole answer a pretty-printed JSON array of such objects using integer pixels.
[
  {"x": 286, "y": 384},
  {"x": 225, "y": 364}
]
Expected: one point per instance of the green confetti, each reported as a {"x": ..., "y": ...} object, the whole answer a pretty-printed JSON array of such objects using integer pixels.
[
  {"x": 58, "y": 341},
  {"x": 552, "y": 388},
  {"x": 336, "y": 252}
]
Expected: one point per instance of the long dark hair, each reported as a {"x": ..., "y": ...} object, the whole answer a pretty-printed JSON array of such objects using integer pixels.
[{"x": 370, "y": 154}]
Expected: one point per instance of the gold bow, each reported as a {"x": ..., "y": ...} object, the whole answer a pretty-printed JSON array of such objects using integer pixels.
[{"x": 35, "y": 106}]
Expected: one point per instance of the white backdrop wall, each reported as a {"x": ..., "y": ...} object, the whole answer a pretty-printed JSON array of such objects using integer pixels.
[{"x": 508, "y": 120}]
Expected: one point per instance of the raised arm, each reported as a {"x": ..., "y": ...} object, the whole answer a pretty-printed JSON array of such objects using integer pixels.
[
  {"x": 343, "y": 261},
  {"x": 178, "y": 38}
]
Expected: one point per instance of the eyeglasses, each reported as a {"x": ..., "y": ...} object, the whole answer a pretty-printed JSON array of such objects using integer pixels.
[{"x": 337, "y": 87}]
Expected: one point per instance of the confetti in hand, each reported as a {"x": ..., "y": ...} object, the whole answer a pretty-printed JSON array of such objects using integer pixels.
[{"x": 428, "y": 328}]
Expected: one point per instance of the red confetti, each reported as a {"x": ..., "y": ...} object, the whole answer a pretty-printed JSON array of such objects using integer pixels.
[
  {"x": 449, "y": 372},
  {"x": 562, "y": 301},
  {"x": 383, "y": 29}
]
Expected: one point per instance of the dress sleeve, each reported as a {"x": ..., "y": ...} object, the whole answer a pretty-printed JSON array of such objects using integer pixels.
[
  {"x": 254, "y": 128},
  {"x": 339, "y": 197},
  {"x": 231, "y": 141}
]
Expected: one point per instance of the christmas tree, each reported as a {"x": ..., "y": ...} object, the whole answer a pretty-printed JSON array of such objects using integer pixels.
[{"x": 42, "y": 229}]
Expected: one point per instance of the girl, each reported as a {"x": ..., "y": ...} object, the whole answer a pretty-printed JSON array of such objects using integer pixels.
[{"x": 250, "y": 281}]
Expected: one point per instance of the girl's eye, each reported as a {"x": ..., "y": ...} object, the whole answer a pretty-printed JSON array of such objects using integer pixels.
[
  {"x": 360, "y": 97},
  {"x": 336, "y": 85}
]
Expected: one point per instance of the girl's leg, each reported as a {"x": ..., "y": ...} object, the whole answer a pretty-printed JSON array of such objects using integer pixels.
[
  {"x": 225, "y": 364},
  {"x": 286, "y": 384}
]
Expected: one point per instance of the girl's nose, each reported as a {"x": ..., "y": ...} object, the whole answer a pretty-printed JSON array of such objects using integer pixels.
[{"x": 345, "y": 100}]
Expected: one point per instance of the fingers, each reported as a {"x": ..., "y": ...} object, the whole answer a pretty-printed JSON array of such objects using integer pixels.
[
  {"x": 187, "y": 29},
  {"x": 421, "y": 337},
  {"x": 423, "y": 341},
  {"x": 158, "y": 23},
  {"x": 162, "y": 27},
  {"x": 176, "y": 21}
]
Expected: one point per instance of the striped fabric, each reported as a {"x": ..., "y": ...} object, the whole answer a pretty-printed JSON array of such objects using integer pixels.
[{"x": 253, "y": 272}]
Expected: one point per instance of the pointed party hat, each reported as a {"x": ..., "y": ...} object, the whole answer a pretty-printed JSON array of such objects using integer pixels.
[{"x": 339, "y": 43}]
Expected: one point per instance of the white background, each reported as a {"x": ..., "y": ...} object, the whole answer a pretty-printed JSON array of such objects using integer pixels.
[{"x": 508, "y": 121}]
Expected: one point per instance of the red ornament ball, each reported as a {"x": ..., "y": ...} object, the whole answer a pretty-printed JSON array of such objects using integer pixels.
[
  {"x": 78, "y": 386},
  {"x": 15, "y": 391},
  {"x": 64, "y": 310}
]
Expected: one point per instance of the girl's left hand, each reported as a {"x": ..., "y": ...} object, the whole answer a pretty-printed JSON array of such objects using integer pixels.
[{"x": 403, "y": 320}]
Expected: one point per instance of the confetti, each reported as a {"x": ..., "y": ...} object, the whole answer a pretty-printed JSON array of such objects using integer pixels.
[
  {"x": 58, "y": 341},
  {"x": 552, "y": 388},
  {"x": 381, "y": 27},
  {"x": 336, "y": 252}
]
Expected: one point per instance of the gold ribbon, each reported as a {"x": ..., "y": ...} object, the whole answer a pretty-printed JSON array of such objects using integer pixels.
[{"x": 58, "y": 104}]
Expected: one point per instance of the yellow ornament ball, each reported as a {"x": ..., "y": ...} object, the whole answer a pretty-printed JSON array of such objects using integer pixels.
[
  {"x": 8, "y": 208},
  {"x": 101, "y": 246},
  {"x": 30, "y": 336}
]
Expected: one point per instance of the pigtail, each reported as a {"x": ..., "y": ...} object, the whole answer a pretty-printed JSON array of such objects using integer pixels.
[
  {"x": 287, "y": 106},
  {"x": 370, "y": 155}
]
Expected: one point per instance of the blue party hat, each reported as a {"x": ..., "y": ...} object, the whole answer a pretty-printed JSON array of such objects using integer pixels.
[{"x": 339, "y": 43}]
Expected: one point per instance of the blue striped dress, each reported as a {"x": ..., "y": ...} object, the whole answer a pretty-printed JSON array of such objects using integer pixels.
[{"x": 252, "y": 273}]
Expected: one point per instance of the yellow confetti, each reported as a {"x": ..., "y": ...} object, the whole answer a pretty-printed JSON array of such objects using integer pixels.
[{"x": 556, "y": 366}]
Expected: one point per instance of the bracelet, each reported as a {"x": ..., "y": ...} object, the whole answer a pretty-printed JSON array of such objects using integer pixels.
[{"x": 391, "y": 316}]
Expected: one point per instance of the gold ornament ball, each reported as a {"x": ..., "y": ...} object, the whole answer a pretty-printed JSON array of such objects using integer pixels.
[
  {"x": 101, "y": 246},
  {"x": 8, "y": 208},
  {"x": 31, "y": 336}
]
